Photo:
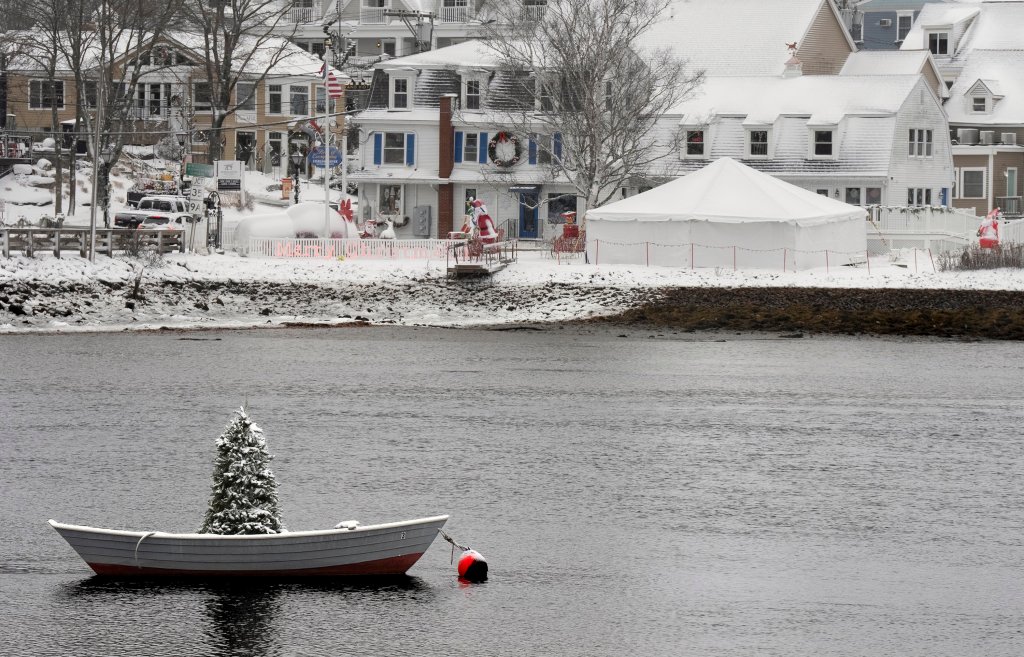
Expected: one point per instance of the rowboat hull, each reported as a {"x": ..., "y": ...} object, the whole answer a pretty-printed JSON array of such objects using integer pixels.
[{"x": 373, "y": 550}]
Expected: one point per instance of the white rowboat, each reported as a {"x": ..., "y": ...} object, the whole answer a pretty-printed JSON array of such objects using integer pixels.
[{"x": 388, "y": 549}]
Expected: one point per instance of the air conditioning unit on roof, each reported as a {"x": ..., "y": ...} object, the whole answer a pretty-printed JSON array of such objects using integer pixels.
[
  {"x": 988, "y": 137},
  {"x": 1008, "y": 138},
  {"x": 885, "y": 22},
  {"x": 967, "y": 136}
]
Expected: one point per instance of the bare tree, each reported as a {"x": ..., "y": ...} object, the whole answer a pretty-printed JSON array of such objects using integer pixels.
[
  {"x": 577, "y": 74},
  {"x": 242, "y": 41}
]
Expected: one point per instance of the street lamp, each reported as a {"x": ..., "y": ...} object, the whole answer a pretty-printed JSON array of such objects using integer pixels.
[{"x": 297, "y": 161}]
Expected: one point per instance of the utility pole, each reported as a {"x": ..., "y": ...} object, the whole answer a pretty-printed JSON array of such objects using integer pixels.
[{"x": 422, "y": 29}]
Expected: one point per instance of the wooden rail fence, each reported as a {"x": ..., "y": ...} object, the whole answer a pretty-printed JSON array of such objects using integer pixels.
[{"x": 30, "y": 241}]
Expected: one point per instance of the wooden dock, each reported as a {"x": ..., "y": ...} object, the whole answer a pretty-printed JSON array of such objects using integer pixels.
[{"x": 468, "y": 259}]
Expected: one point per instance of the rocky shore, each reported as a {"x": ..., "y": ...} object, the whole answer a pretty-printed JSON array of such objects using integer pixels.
[
  {"x": 116, "y": 304},
  {"x": 909, "y": 312}
]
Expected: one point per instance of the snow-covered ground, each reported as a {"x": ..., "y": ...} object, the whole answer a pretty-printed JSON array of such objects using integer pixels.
[
  {"x": 197, "y": 291},
  {"x": 192, "y": 290}
]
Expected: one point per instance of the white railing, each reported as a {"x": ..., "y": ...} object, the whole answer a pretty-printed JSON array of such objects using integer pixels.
[
  {"x": 372, "y": 15},
  {"x": 356, "y": 249},
  {"x": 148, "y": 113},
  {"x": 454, "y": 14},
  {"x": 932, "y": 228},
  {"x": 1012, "y": 231},
  {"x": 301, "y": 15}
]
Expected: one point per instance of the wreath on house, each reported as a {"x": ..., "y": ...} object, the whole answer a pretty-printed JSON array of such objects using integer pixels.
[{"x": 505, "y": 149}]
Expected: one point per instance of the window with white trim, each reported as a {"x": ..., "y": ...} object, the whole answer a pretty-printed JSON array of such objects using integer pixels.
[
  {"x": 920, "y": 143},
  {"x": 904, "y": 20},
  {"x": 695, "y": 146},
  {"x": 757, "y": 142},
  {"x": 979, "y": 104},
  {"x": 919, "y": 196},
  {"x": 298, "y": 100},
  {"x": 274, "y": 99},
  {"x": 202, "y": 97},
  {"x": 471, "y": 95},
  {"x": 823, "y": 146},
  {"x": 972, "y": 182},
  {"x": 938, "y": 43},
  {"x": 245, "y": 96},
  {"x": 543, "y": 93},
  {"x": 394, "y": 148},
  {"x": 389, "y": 199},
  {"x": 400, "y": 93},
  {"x": 45, "y": 94},
  {"x": 470, "y": 147}
]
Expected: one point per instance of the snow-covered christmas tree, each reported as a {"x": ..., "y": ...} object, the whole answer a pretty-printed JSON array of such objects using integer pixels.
[{"x": 244, "y": 495}]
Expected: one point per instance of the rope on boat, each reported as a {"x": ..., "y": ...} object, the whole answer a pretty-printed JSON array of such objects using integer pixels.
[
  {"x": 451, "y": 540},
  {"x": 144, "y": 537}
]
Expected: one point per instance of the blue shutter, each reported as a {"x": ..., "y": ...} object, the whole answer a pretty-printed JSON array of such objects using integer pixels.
[
  {"x": 458, "y": 147},
  {"x": 556, "y": 145},
  {"x": 533, "y": 151},
  {"x": 481, "y": 147},
  {"x": 410, "y": 149},
  {"x": 378, "y": 148}
]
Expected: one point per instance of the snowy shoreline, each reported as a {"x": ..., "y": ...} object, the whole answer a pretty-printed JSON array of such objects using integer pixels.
[{"x": 193, "y": 292}]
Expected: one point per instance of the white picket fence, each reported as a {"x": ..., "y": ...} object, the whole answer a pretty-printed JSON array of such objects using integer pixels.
[
  {"x": 932, "y": 229},
  {"x": 278, "y": 247}
]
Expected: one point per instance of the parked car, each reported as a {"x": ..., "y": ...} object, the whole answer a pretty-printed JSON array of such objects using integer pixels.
[
  {"x": 162, "y": 223},
  {"x": 172, "y": 208}
]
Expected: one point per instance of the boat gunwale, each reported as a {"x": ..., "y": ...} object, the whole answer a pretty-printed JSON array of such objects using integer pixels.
[{"x": 242, "y": 537}]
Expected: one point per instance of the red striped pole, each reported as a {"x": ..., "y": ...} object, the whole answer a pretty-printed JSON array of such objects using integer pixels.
[
  {"x": 647, "y": 252},
  {"x": 867, "y": 256},
  {"x": 826, "y": 261},
  {"x": 734, "y": 258},
  {"x": 597, "y": 250},
  {"x": 783, "y": 260},
  {"x": 692, "y": 265}
]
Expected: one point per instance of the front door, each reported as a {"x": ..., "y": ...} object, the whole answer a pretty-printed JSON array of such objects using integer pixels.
[{"x": 528, "y": 228}]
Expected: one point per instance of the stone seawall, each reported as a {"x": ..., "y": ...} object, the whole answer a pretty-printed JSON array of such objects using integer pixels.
[{"x": 943, "y": 313}]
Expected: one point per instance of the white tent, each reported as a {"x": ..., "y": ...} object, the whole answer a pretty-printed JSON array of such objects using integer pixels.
[{"x": 727, "y": 215}]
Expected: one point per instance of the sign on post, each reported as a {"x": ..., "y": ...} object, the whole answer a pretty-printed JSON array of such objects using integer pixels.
[
  {"x": 316, "y": 157},
  {"x": 196, "y": 207},
  {"x": 199, "y": 170}
]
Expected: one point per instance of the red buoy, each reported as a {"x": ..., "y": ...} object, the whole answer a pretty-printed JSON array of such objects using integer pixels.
[{"x": 472, "y": 566}]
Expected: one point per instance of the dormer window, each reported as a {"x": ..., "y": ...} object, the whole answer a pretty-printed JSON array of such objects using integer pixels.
[
  {"x": 696, "y": 143},
  {"x": 757, "y": 142},
  {"x": 823, "y": 143},
  {"x": 400, "y": 93},
  {"x": 938, "y": 43},
  {"x": 471, "y": 99},
  {"x": 979, "y": 104}
]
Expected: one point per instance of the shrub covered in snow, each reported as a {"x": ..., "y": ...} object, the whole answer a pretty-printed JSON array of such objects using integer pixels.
[{"x": 244, "y": 495}]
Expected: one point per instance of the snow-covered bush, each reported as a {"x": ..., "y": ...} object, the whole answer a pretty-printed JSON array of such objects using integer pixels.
[{"x": 244, "y": 495}]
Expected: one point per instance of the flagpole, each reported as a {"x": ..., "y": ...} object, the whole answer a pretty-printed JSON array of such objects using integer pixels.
[{"x": 327, "y": 140}]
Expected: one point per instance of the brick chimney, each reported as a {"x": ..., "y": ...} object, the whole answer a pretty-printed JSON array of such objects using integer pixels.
[{"x": 445, "y": 164}]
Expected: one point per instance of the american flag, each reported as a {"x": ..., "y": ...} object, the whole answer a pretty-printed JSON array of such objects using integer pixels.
[{"x": 334, "y": 88}]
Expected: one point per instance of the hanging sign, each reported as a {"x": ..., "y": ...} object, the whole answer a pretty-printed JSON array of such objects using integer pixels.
[{"x": 317, "y": 155}]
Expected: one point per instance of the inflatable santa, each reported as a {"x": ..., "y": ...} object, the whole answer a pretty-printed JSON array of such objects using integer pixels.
[
  {"x": 988, "y": 231},
  {"x": 484, "y": 223}
]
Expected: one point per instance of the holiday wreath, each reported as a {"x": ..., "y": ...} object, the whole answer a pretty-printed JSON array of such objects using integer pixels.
[{"x": 504, "y": 149}]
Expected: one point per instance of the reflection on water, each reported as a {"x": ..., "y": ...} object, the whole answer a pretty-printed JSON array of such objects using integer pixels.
[{"x": 636, "y": 495}]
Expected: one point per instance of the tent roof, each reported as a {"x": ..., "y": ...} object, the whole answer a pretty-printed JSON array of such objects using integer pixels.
[{"x": 728, "y": 191}]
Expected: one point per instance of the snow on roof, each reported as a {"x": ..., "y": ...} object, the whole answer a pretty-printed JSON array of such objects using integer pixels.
[
  {"x": 998, "y": 26},
  {"x": 734, "y": 37},
  {"x": 885, "y": 62},
  {"x": 294, "y": 62},
  {"x": 710, "y": 194},
  {"x": 824, "y": 98},
  {"x": 1000, "y": 72},
  {"x": 940, "y": 15},
  {"x": 468, "y": 54}
]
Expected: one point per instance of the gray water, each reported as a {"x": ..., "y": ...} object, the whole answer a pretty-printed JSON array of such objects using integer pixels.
[{"x": 634, "y": 495}]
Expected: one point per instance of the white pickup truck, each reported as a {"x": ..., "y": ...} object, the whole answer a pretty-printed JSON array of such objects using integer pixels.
[{"x": 169, "y": 212}]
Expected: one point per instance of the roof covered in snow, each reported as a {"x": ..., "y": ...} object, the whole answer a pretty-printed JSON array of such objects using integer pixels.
[
  {"x": 823, "y": 98},
  {"x": 1000, "y": 72},
  {"x": 886, "y": 62},
  {"x": 734, "y": 37}
]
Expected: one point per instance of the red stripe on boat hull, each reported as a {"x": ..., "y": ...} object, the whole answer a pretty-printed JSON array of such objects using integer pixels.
[{"x": 390, "y": 566}]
